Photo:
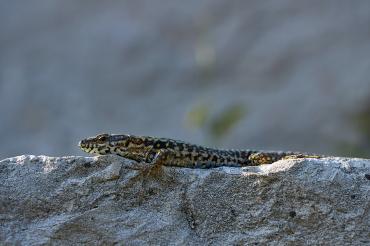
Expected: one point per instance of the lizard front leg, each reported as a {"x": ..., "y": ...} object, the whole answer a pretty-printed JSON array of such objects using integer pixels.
[
  {"x": 162, "y": 157},
  {"x": 156, "y": 158}
]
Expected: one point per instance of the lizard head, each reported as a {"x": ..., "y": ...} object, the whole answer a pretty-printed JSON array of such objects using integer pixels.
[{"x": 103, "y": 144}]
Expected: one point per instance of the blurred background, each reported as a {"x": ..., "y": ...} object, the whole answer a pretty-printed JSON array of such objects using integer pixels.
[{"x": 275, "y": 74}]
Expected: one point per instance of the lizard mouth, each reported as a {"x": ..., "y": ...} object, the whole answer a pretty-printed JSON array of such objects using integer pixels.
[
  {"x": 92, "y": 148},
  {"x": 83, "y": 145},
  {"x": 86, "y": 147}
]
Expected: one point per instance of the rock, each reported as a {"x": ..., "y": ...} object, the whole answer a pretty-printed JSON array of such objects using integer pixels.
[{"x": 107, "y": 200}]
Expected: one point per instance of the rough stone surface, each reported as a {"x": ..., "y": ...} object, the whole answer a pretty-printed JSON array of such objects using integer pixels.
[{"x": 107, "y": 200}]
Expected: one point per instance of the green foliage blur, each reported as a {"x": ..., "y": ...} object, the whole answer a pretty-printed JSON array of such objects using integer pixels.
[{"x": 215, "y": 125}]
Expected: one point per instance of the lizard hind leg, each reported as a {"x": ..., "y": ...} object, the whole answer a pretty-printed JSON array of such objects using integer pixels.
[{"x": 261, "y": 158}]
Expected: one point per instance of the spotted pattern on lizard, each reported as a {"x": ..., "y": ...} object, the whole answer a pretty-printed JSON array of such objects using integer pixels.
[{"x": 169, "y": 152}]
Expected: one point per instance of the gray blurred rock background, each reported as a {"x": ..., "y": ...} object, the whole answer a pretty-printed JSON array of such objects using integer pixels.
[{"x": 282, "y": 74}]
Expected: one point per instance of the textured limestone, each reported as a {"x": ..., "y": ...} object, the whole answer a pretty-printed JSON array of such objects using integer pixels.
[{"x": 107, "y": 199}]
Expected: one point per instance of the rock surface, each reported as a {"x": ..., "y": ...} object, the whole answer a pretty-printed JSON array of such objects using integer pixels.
[{"x": 107, "y": 200}]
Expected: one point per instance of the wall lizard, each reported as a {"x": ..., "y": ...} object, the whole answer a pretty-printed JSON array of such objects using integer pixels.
[{"x": 169, "y": 152}]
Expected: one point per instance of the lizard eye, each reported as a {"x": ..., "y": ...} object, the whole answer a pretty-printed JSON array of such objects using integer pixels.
[
  {"x": 103, "y": 137},
  {"x": 137, "y": 141}
]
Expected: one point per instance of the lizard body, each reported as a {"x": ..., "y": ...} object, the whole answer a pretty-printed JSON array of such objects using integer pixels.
[{"x": 169, "y": 152}]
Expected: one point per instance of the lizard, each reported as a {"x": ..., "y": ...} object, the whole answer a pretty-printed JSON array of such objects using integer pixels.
[{"x": 170, "y": 152}]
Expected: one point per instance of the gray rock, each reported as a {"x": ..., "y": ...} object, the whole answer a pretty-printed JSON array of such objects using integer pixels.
[{"x": 107, "y": 200}]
